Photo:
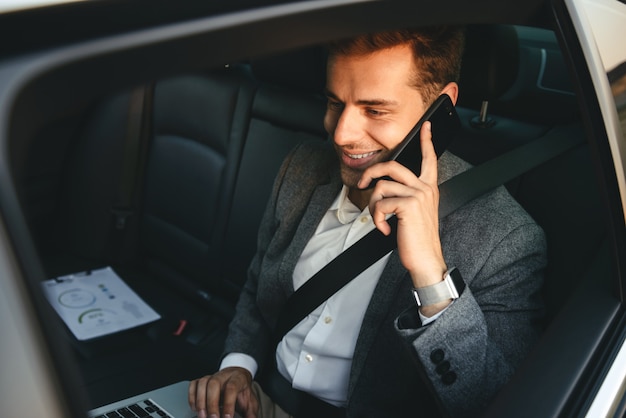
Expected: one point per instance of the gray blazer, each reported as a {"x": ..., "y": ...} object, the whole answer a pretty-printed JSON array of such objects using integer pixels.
[{"x": 453, "y": 366}]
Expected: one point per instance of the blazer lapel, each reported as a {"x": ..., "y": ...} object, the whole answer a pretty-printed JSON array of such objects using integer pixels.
[{"x": 321, "y": 199}]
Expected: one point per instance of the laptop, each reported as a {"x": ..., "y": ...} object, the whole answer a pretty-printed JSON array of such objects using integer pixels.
[{"x": 169, "y": 401}]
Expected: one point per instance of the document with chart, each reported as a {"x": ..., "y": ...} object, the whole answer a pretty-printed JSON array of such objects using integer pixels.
[{"x": 96, "y": 303}]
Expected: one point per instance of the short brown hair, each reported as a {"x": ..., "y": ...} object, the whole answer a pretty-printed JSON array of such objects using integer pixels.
[{"x": 437, "y": 52}]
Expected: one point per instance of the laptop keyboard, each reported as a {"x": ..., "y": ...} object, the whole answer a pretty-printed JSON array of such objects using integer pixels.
[{"x": 142, "y": 409}]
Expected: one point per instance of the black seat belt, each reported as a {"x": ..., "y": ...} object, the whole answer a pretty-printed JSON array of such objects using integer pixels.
[
  {"x": 453, "y": 193},
  {"x": 136, "y": 144}
]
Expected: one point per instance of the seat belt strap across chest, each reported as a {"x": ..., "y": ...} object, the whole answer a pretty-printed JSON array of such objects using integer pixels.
[{"x": 454, "y": 193}]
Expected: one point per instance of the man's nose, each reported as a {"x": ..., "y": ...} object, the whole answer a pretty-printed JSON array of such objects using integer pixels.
[{"x": 349, "y": 127}]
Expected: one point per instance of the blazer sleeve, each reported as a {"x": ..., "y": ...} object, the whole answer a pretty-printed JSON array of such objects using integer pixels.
[{"x": 473, "y": 348}]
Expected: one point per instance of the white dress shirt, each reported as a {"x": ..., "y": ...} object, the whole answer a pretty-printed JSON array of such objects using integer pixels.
[{"x": 316, "y": 355}]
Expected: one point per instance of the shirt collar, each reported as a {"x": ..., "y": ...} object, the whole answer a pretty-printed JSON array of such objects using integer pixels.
[{"x": 346, "y": 211}]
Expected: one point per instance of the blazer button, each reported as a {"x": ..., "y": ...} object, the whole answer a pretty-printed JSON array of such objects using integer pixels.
[
  {"x": 448, "y": 378},
  {"x": 437, "y": 355},
  {"x": 443, "y": 367}
]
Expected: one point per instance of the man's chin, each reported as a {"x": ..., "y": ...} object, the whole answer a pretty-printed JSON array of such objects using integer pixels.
[{"x": 350, "y": 177}]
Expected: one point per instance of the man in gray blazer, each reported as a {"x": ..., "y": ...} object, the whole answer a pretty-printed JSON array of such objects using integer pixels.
[{"x": 370, "y": 350}]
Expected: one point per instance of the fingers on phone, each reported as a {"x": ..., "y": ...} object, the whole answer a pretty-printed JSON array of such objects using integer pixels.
[{"x": 429, "y": 157}]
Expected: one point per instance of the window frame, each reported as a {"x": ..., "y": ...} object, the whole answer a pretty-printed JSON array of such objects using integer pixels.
[{"x": 159, "y": 51}]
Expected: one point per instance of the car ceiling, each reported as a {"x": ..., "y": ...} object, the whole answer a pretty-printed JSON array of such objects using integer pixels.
[{"x": 47, "y": 27}]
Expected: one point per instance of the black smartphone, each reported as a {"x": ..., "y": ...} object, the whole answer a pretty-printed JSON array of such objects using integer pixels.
[{"x": 445, "y": 124}]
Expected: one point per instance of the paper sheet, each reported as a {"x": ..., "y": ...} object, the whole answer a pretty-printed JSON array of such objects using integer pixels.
[{"x": 97, "y": 303}]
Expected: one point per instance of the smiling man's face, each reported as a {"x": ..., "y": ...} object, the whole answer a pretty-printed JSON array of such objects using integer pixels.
[{"x": 372, "y": 106}]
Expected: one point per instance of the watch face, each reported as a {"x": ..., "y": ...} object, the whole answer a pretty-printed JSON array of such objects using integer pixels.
[{"x": 457, "y": 281}]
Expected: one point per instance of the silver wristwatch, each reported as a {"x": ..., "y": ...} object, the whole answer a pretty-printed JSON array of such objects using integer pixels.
[{"x": 450, "y": 288}]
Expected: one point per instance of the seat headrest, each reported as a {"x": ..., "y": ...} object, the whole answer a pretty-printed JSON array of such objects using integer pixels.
[
  {"x": 302, "y": 70},
  {"x": 490, "y": 63}
]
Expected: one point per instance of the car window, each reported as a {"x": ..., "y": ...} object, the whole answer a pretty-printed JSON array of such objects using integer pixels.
[
  {"x": 606, "y": 20},
  {"x": 617, "y": 79},
  {"x": 600, "y": 24}
]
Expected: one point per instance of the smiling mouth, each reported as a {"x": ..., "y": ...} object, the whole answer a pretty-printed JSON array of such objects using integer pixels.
[
  {"x": 359, "y": 161},
  {"x": 360, "y": 156}
]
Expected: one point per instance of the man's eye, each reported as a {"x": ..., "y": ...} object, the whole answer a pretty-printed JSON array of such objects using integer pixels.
[
  {"x": 375, "y": 112},
  {"x": 334, "y": 105}
]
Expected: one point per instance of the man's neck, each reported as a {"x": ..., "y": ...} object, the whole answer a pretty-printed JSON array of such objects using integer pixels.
[{"x": 360, "y": 198}]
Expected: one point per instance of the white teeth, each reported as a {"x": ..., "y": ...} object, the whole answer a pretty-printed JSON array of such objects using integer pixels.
[{"x": 359, "y": 156}]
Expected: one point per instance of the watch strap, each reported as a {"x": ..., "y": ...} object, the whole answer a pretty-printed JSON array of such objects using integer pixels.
[{"x": 449, "y": 288}]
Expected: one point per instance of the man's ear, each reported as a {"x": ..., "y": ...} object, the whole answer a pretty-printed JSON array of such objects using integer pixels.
[{"x": 452, "y": 90}]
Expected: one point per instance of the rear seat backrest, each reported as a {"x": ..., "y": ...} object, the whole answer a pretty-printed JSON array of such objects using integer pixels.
[
  {"x": 288, "y": 109},
  {"x": 200, "y": 124},
  {"x": 280, "y": 120},
  {"x": 93, "y": 177}
]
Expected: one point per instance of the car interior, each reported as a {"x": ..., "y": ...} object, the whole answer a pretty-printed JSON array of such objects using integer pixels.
[{"x": 167, "y": 181}]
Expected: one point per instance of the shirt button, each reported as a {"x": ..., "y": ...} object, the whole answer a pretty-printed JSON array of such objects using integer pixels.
[
  {"x": 308, "y": 358},
  {"x": 328, "y": 320},
  {"x": 364, "y": 219}
]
